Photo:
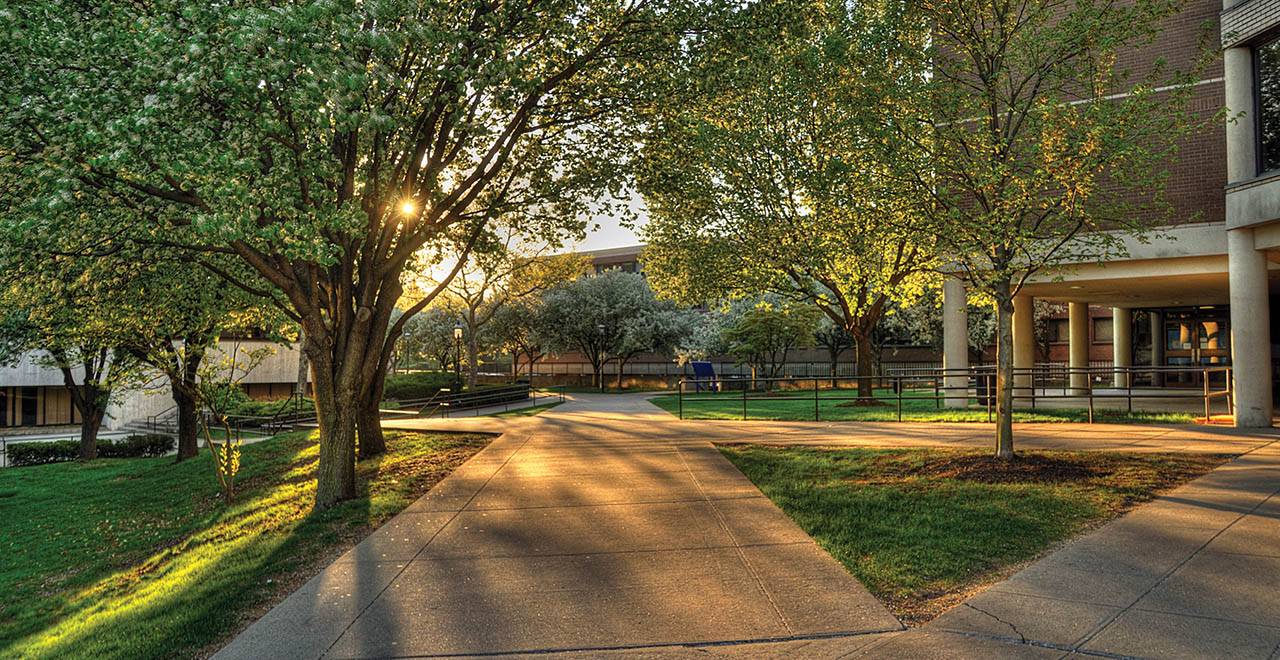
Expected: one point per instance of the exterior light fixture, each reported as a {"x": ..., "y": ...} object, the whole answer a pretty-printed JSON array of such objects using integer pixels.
[
  {"x": 457, "y": 357},
  {"x": 600, "y": 329}
]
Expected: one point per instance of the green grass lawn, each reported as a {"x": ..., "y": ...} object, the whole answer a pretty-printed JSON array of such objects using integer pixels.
[
  {"x": 838, "y": 406},
  {"x": 139, "y": 558},
  {"x": 923, "y": 528}
]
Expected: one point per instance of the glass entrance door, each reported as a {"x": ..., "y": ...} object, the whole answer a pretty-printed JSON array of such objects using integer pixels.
[{"x": 1196, "y": 338}]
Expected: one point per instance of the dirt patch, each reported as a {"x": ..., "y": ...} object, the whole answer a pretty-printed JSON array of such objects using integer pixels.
[
  {"x": 987, "y": 469},
  {"x": 864, "y": 403},
  {"x": 1042, "y": 467}
]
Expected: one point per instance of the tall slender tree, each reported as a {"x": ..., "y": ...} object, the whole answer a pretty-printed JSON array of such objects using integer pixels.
[
  {"x": 503, "y": 274},
  {"x": 54, "y": 313},
  {"x": 1025, "y": 143},
  {"x": 767, "y": 182}
]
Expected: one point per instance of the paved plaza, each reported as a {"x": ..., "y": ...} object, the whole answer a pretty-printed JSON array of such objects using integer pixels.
[{"x": 607, "y": 528}]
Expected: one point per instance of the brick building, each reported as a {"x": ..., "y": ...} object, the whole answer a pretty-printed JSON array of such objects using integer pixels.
[{"x": 1201, "y": 295}]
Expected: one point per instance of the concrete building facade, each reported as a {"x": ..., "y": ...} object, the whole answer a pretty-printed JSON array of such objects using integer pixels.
[{"x": 33, "y": 394}]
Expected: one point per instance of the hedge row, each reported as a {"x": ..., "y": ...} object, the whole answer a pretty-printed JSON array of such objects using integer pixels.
[
  {"x": 133, "y": 446},
  {"x": 417, "y": 385}
]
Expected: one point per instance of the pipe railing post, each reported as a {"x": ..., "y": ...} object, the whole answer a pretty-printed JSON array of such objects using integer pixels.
[
  {"x": 1205, "y": 380},
  {"x": 991, "y": 384},
  {"x": 1089, "y": 392},
  {"x": 1128, "y": 382},
  {"x": 898, "y": 387},
  {"x": 815, "y": 399},
  {"x": 680, "y": 396},
  {"x": 1231, "y": 395}
]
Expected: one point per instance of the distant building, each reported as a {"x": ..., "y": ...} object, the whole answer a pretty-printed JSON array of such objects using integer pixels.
[
  {"x": 626, "y": 259},
  {"x": 34, "y": 395}
]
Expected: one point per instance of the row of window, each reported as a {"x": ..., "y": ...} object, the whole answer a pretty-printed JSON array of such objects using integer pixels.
[
  {"x": 1059, "y": 330},
  {"x": 1266, "y": 69},
  {"x": 1180, "y": 335}
]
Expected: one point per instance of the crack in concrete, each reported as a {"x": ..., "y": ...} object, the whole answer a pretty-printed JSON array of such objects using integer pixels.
[{"x": 1012, "y": 627}]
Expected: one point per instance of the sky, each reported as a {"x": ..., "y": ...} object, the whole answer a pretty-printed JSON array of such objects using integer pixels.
[
  {"x": 608, "y": 232},
  {"x": 604, "y": 231}
]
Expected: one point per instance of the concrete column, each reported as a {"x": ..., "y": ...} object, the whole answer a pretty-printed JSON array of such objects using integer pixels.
[
  {"x": 1237, "y": 68},
  {"x": 1121, "y": 343},
  {"x": 955, "y": 343},
  {"x": 1250, "y": 330},
  {"x": 1024, "y": 340},
  {"x": 1157, "y": 348},
  {"x": 1078, "y": 322}
]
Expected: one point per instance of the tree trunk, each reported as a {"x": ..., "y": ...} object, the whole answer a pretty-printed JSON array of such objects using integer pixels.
[
  {"x": 621, "y": 363},
  {"x": 185, "y": 397},
  {"x": 866, "y": 368},
  {"x": 90, "y": 422},
  {"x": 530, "y": 370},
  {"x": 1004, "y": 370},
  {"x": 372, "y": 442},
  {"x": 188, "y": 425},
  {"x": 90, "y": 401},
  {"x": 336, "y": 387}
]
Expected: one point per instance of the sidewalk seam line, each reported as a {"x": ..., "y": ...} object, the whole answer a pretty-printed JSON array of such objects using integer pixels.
[
  {"x": 742, "y": 556},
  {"x": 1163, "y": 578},
  {"x": 400, "y": 572},
  {"x": 656, "y": 645}
]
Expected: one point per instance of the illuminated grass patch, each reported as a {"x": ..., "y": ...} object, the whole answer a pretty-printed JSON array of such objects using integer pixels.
[{"x": 138, "y": 558}]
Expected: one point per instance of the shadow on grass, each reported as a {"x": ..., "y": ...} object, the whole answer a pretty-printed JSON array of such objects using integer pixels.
[
  {"x": 185, "y": 571},
  {"x": 924, "y": 528}
]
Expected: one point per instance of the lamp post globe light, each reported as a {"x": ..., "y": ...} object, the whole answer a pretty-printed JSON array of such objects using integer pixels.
[
  {"x": 457, "y": 358},
  {"x": 603, "y": 357}
]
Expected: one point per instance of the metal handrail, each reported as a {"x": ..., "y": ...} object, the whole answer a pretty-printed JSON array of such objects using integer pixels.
[
  {"x": 492, "y": 397},
  {"x": 935, "y": 385},
  {"x": 153, "y": 421}
]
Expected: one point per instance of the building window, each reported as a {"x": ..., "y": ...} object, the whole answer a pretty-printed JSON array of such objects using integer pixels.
[
  {"x": 1266, "y": 69},
  {"x": 1102, "y": 331},
  {"x": 1059, "y": 331}
]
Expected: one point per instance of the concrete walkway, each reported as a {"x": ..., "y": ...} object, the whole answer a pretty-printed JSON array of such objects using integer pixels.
[
  {"x": 573, "y": 532},
  {"x": 1195, "y": 574},
  {"x": 605, "y": 527}
]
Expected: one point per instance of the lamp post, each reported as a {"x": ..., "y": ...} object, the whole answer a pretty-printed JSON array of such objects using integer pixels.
[
  {"x": 603, "y": 357},
  {"x": 457, "y": 358}
]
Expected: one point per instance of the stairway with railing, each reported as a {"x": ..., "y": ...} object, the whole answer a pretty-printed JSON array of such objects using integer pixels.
[{"x": 446, "y": 402}]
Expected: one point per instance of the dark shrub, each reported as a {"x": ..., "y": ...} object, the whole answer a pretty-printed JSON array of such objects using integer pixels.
[
  {"x": 268, "y": 408},
  {"x": 38, "y": 453},
  {"x": 417, "y": 385},
  {"x": 135, "y": 446}
]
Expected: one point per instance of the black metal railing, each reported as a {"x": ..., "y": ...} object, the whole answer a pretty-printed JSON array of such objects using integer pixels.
[
  {"x": 446, "y": 403},
  {"x": 156, "y": 424},
  {"x": 1207, "y": 387}
]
